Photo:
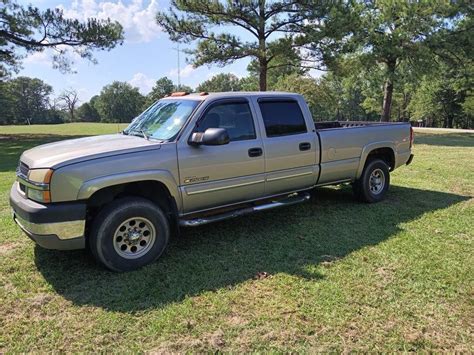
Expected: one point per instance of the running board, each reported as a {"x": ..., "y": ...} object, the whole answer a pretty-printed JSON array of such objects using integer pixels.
[{"x": 290, "y": 200}]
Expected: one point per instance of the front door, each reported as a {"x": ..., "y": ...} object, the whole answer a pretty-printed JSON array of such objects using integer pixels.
[{"x": 225, "y": 174}]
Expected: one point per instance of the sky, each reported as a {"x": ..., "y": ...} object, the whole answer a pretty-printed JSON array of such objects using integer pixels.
[{"x": 145, "y": 56}]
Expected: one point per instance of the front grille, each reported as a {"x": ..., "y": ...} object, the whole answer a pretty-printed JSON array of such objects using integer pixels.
[{"x": 23, "y": 169}]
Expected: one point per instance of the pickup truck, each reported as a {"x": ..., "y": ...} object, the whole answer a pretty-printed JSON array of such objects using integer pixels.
[{"x": 192, "y": 159}]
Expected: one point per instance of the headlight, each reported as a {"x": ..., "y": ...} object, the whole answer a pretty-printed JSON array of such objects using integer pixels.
[
  {"x": 39, "y": 189},
  {"x": 42, "y": 176}
]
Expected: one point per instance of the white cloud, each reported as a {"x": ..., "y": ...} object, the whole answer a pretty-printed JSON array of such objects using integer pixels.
[
  {"x": 137, "y": 18},
  {"x": 142, "y": 82},
  {"x": 186, "y": 72}
]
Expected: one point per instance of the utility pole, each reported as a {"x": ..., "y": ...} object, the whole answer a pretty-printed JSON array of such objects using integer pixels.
[{"x": 179, "y": 66}]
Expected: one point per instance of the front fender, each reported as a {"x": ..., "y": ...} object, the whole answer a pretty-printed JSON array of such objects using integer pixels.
[
  {"x": 89, "y": 187},
  {"x": 369, "y": 148}
]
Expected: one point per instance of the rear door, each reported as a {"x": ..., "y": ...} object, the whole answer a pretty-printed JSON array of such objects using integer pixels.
[
  {"x": 290, "y": 144},
  {"x": 212, "y": 176}
]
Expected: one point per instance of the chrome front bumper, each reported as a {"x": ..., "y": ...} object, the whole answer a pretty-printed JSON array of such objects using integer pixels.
[
  {"x": 52, "y": 226},
  {"x": 61, "y": 236},
  {"x": 63, "y": 230}
]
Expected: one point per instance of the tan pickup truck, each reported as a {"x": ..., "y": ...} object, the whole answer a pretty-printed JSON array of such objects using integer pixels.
[{"x": 190, "y": 160}]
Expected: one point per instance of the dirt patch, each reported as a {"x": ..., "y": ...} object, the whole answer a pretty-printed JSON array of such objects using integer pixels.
[
  {"x": 7, "y": 248},
  {"x": 40, "y": 300},
  {"x": 216, "y": 340},
  {"x": 235, "y": 320}
]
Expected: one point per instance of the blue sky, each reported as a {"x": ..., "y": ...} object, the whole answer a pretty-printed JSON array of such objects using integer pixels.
[{"x": 145, "y": 56}]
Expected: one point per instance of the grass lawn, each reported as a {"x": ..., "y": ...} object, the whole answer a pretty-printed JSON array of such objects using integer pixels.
[{"x": 327, "y": 275}]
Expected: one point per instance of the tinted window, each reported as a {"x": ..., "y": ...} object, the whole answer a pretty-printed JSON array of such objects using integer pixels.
[
  {"x": 236, "y": 118},
  {"x": 282, "y": 118}
]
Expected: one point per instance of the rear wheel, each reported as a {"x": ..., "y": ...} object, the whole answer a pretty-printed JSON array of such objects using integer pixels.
[
  {"x": 129, "y": 233},
  {"x": 373, "y": 183}
]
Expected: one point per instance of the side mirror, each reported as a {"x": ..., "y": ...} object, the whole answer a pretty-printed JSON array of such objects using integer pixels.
[{"x": 211, "y": 136}]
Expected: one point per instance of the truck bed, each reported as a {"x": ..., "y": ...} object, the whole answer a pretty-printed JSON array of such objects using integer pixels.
[
  {"x": 342, "y": 149},
  {"x": 348, "y": 124}
]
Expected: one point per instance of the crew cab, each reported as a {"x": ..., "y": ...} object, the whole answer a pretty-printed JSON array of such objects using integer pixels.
[{"x": 192, "y": 159}]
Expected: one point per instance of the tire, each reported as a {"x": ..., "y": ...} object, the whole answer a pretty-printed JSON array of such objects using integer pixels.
[
  {"x": 373, "y": 183},
  {"x": 129, "y": 233}
]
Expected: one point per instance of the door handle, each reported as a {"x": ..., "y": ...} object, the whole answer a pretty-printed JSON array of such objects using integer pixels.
[
  {"x": 305, "y": 146},
  {"x": 255, "y": 152}
]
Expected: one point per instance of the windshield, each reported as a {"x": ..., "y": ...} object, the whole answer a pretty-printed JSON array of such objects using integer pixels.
[{"x": 162, "y": 120}]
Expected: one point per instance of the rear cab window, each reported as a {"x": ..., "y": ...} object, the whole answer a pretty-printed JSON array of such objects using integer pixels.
[{"x": 282, "y": 117}]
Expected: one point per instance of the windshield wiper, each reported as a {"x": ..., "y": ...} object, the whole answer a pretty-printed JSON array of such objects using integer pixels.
[
  {"x": 138, "y": 133},
  {"x": 145, "y": 135}
]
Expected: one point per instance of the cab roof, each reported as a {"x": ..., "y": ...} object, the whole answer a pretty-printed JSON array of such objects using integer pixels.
[{"x": 231, "y": 94}]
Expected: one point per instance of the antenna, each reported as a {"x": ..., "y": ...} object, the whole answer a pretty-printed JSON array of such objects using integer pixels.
[{"x": 177, "y": 49}]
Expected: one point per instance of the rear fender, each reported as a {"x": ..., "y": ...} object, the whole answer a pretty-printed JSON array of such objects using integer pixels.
[{"x": 368, "y": 149}]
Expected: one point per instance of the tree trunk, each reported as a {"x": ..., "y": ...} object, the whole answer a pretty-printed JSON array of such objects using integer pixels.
[
  {"x": 450, "y": 121},
  {"x": 263, "y": 74},
  {"x": 388, "y": 92},
  {"x": 262, "y": 46},
  {"x": 387, "y": 100}
]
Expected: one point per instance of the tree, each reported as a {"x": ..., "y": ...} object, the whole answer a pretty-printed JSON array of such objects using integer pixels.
[
  {"x": 440, "y": 100},
  {"x": 188, "y": 21},
  {"x": 30, "y": 99},
  {"x": 182, "y": 87},
  {"x": 87, "y": 113},
  {"x": 69, "y": 100},
  {"x": 391, "y": 33},
  {"x": 287, "y": 63},
  {"x": 328, "y": 98},
  {"x": 220, "y": 83},
  {"x": 305, "y": 86},
  {"x": 249, "y": 83},
  {"x": 119, "y": 102},
  {"x": 26, "y": 28},
  {"x": 341, "y": 98},
  {"x": 163, "y": 86},
  {"x": 6, "y": 104}
]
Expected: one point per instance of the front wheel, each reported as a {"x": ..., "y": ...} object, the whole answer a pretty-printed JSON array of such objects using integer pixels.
[
  {"x": 373, "y": 183},
  {"x": 129, "y": 233}
]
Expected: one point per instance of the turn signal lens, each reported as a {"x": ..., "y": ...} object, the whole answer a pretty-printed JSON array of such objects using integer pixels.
[
  {"x": 42, "y": 176},
  {"x": 39, "y": 195}
]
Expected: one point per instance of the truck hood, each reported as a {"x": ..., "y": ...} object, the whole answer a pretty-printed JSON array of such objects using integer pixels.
[{"x": 54, "y": 155}]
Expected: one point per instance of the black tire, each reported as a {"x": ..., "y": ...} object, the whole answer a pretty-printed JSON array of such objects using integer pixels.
[
  {"x": 104, "y": 227},
  {"x": 364, "y": 191}
]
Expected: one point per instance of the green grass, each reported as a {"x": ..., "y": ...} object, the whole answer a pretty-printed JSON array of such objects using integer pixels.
[
  {"x": 66, "y": 129},
  {"x": 340, "y": 275}
]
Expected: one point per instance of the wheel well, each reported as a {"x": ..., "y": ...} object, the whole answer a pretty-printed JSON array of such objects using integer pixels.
[
  {"x": 385, "y": 154},
  {"x": 152, "y": 190}
]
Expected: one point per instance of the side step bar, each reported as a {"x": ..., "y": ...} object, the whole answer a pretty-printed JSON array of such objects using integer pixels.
[{"x": 290, "y": 200}]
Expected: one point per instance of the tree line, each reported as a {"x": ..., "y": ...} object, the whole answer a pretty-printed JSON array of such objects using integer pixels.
[
  {"x": 436, "y": 101},
  {"x": 382, "y": 59}
]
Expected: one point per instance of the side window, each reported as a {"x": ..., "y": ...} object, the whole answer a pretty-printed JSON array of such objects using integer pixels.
[
  {"x": 282, "y": 118},
  {"x": 236, "y": 118}
]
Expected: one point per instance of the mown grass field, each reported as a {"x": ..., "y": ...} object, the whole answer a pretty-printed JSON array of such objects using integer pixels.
[{"x": 328, "y": 275}]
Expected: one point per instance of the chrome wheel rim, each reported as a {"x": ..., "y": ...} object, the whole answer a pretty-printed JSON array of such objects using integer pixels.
[
  {"x": 376, "y": 181},
  {"x": 134, "y": 237}
]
